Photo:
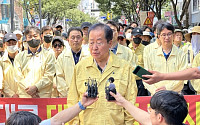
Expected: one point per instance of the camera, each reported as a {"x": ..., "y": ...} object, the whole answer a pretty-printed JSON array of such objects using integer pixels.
[
  {"x": 92, "y": 88},
  {"x": 110, "y": 88}
]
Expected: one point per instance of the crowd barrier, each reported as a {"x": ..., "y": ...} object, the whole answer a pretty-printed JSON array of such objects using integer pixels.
[{"x": 47, "y": 107}]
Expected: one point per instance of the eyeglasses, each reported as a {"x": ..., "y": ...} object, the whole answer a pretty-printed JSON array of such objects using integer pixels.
[
  {"x": 98, "y": 44},
  {"x": 59, "y": 45},
  {"x": 164, "y": 35}
]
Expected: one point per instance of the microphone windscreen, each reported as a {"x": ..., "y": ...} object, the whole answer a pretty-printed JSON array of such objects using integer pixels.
[
  {"x": 112, "y": 86},
  {"x": 111, "y": 79}
]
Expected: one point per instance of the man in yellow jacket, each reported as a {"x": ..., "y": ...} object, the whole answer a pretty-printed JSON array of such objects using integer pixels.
[
  {"x": 101, "y": 65},
  {"x": 167, "y": 58},
  {"x": 9, "y": 83},
  {"x": 121, "y": 51},
  {"x": 35, "y": 68},
  {"x": 137, "y": 48},
  {"x": 68, "y": 59}
]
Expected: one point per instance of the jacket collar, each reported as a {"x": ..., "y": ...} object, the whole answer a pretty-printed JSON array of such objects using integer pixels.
[{"x": 173, "y": 51}]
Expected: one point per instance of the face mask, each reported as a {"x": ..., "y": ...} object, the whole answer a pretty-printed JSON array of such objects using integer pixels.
[
  {"x": 137, "y": 40},
  {"x": 48, "y": 38},
  {"x": 12, "y": 49},
  {"x": 25, "y": 44},
  {"x": 33, "y": 43},
  {"x": 145, "y": 43},
  {"x": 195, "y": 44},
  {"x": 128, "y": 36}
]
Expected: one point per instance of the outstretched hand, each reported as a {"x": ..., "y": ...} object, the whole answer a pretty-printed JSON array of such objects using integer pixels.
[
  {"x": 154, "y": 78},
  {"x": 119, "y": 100},
  {"x": 86, "y": 101}
]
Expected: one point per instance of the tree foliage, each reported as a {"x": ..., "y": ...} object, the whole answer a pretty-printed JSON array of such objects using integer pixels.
[
  {"x": 78, "y": 17},
  {"x": 51, "y": 9},
  {"x": 128, "y": 7},
  {"x": 184, "y": 12}
]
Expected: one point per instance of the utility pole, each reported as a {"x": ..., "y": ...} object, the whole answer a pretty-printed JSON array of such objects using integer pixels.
[
  {"x": 40, "y": 14},
  {"x": 12, "y": 15}
]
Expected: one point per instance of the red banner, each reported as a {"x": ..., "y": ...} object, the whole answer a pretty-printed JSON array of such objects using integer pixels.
[{"x": 48, "y": 107}]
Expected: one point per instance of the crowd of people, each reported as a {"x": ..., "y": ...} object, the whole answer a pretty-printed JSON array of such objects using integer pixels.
[{"x": 48, "y": 63}]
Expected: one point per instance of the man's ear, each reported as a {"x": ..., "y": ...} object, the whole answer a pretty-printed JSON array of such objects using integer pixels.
[{"x": 160, "y": 118}]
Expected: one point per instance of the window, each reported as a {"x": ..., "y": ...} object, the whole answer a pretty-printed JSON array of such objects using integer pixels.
[{"x": 196, "y": 5}]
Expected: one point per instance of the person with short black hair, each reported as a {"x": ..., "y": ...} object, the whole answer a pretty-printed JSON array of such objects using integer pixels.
[
  {"x": 23, "y": 118},
  {"x": 118, "y": 49},
  {"x": 47, "y": 37},
  {"x": 134, "y": 24},
  {"x": 68, "y": 59},
  {"x": 100, "y": 66},
  {"x": 167, "y": 58},
  {"x": 34, "y": 68},
  {"x": 166, "y": 108}
]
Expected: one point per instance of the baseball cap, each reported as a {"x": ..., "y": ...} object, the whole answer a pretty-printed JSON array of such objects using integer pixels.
[
  {"x": 59, "y": 26},
  {"x": 10, "y": 36},
  {"x": 145, "y": 33},
  {"x": 121, "y": 34},
  {"x": 85, "y": 24},
  {"x": 137, "y": 31},
  {"x": 18, "y": 32},
  {"x": 58, "y": 38}
]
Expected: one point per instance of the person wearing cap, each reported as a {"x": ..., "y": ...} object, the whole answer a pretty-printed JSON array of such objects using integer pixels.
[
  {"x": 178, "y": 38},
  {"x": 19, "y": 35},
  {"x": 137, "y": 48},
  {"x": 193, "y": 46},
  {"x": 58, "y": 46},
  {"x": 194, "y": 38},
  {"x": 58, "y": 30},
  {"x": 84, "y": 27},
  {"x": 34, "y": 68},
  {"x": 7, "y": 63},
  {"x": 47, "y": 37},
  {"x": 167, "y": 58},
  {"x": 146, "y": 38},
  {"x": 68, "y": 59},
  {"x": 118, "y": 49},
  {"x": 121, "y": 39}
]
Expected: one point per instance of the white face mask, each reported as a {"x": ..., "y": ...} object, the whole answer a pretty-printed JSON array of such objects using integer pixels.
[
  {"x": 25, "y": 44},
  {"x": 12, "y": 49},
  {"x": 128, "y": 36},
  {"x": 195, "y": 44}
]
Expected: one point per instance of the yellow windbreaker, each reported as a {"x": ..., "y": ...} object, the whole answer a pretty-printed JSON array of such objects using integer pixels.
[
  {"x": 9, "y": 83},
  {"x": 38, "y": 70},
  {"x": 125, "y": 53},
  {"x": 65, "y": 69},
  {"x": 103, "y": 112},
  {"x": 196, "y": 82},
  {"x": 175, "y": 62}
]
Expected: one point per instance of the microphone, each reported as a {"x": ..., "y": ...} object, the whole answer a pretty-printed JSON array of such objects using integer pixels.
[{"x": 110, "y": 88}]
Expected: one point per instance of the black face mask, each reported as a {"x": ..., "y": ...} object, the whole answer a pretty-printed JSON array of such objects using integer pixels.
[
  {"x": 137, "y": 40},
  {"x": 48, "y": 38},
  {"x": 145, "y": 43},
  {"x": 33, "y": 43}
]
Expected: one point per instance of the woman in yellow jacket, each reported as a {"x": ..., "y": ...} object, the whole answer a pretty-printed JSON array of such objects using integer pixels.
[
  {"x": 35, "y": 68},
  {"x": 167, "y": 58}
]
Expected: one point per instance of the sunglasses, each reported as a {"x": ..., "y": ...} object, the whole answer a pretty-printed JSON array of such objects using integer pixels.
[{"x": 59, "y": 45}]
